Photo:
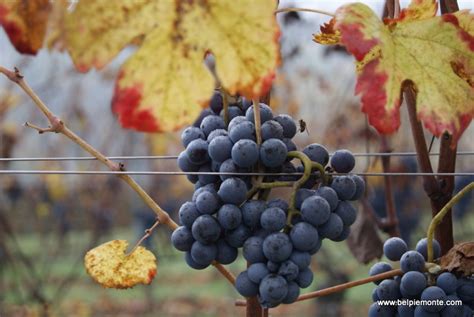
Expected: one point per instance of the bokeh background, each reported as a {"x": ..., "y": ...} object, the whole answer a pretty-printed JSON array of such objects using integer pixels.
[{"x": 48, "y": 222}]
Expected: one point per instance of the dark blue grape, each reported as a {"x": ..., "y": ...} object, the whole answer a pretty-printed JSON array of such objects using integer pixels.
[
  {"x": 288, "y": 167},
  {"x": 422, "y": 247},
  {"x": 204, "y": 113},
  {"x": 190, "y": 134},
  {"x": 207, "y": 202},
  {"x": 229, "y": 216},
  {"x": 379, "y": 268},
  {"x": 202, "y": 253},
  {"x": 220, "y": 148},
  {"x": 187, "y": 214},
  {"x": 185, "y": 164},
  {"x": 273, "y": 153},
  {"x": 245, "y": 153},
  {"x": 288, "y": 125},
  {"x": 346, "y": 231},
  {"x": 412, "y": 261},
  {"x": 245, "y": 286},
  {"x": 211, "y": 123},
  {"x": 244, "y": 130},
  {"x": 207, "y": 178},
  {"x": 330, "y": 195},
  {"x": 233, "y": 191},
  {"x": 251, "y": 212},
  {"x": 278, "y": 203},
  {"x": 273, "y": 219},
  {"x": 271, "y": 130},
  {"x": 315, "y": 210},
  {"x": 193, "y": 264},
  {"x": 433, "y": 293},
  {"x": 465, "y": 289},
  {"x": 233, "y": 112},
  {"x": 236, "y": 238},
  {"x": 375, "y": 310},
  {"x": 265, "y": 113},
  {"x": 301, "y": 195},
  {"x": 305, "y": 278},
  {"x": 293, "y": 293},
  {"x": 317, "y": 153},
  {"x": 406, "y": 311},
  {"x": 257, "y": 271},
  {"x": 316, "y": 247},
  {"x": 216, "y": 104},
  {"x": 388, "y": 290},
  {"x": 273, "y": 266},
  {"x": 304, "y": 236},
  {"x": 197, "y": 152},
  {"x": 394, "y": 248},
  {"x": 290, "y": 145},
  {"x": 375, "y": 297},
  {"x": 228, "y": 166},
  {"x": 215, "y": 166},
  {"x": 301, "y": 259},
  {"x": 289, "y": 270},
  {"x": 342, "y": 161},
  {"x": 453, "y": 310},
  {"x": 273, "y": 290},
  {"x": 253, "y": 250},
  {"x": 206, "y": 229},
  {"x": 412, "y": 284},
  {"x": 277, "y": 247},
  {"x": 225, "y": 253},
  {"x": 447, "y": 282},
  {"x": 332, "y": 228},
  {"x": 360, "y": 187},
  {"x": 344, "y": 186},
  {"x": 235, "y": 121},
  {"x": 420, "y": 312},
  {"x": 182, "y": 238},
  {"x": 209, "y": 187}
]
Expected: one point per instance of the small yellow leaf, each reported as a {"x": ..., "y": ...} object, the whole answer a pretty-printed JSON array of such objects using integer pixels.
[
  {"x": 329, "y": 35},
  {"x": 109, "y": 266}
]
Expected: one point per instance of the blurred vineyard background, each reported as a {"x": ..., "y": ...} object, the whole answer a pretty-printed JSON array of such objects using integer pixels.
[{"x": 48, "y": 222}]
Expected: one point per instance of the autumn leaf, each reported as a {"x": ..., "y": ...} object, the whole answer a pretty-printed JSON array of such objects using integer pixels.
[
  {"x": 25, "y": 23},
  {"x": 459, "y": 259},
  {"x": 165, "y": 83},
  {"x": 109, "y": 266},
  {"x": 436, "y": 53}
]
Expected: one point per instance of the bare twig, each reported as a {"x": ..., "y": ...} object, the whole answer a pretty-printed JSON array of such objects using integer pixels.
[
  {"x": 392, "y": 219},
  {"x": 147, "y": 234}
]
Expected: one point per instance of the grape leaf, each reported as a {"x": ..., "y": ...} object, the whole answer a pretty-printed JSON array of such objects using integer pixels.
[
  {"x": 162, "y": 86},
  {"x": 109, "y": 266},
  {"x": 25, "y": 23},
  {"x": 436, "y": 53},
  {"x": 459, "y": 259}
]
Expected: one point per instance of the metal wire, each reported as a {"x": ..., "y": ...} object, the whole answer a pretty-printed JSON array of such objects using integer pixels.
[
  {"x": 172, "y": 173},
  {"x": 173, "y": 157}
]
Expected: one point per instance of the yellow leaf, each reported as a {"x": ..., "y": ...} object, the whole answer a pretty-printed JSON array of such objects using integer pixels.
[
  {"x": 162, "y": 86},
  {"x": 329, "y": 35},
  {"x": 436, "y": 53},
  {"x": 109, "y": 266},
  {"x": 25, "y": 23}
]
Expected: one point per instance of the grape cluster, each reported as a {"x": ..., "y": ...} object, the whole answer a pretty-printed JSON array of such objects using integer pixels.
[
  {"x": 277, "y": 238},
  {"x": 415, "y": 283}
]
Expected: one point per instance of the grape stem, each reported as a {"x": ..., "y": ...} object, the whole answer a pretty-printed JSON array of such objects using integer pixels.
[
  {"x": 341, "y": 287},
  {"x": 439, "y": 217},
  {"x": 58, "y": 126},
  {"x": 147, "y": 234},
  {"x": 282, "y": 10},
  {"x": 307, "y": 164},
  {"x": 225, "y": 103}
]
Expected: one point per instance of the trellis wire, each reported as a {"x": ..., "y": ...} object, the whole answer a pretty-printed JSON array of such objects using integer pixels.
[{"x": 173, "y": 157}]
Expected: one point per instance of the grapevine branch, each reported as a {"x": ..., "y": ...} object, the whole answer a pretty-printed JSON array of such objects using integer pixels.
[
  {"x": 58, "y": 126},
  {"x": 341, "y": 287}
]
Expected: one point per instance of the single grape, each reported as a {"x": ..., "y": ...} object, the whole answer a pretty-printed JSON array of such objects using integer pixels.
[
  {"x": 209, "y": 187},
  {"x": 293, "y": 293},
  {"x": 228, "y": 166},
  {"x": 273, "y": 152},
  {"x": 207, "y": 202},
  {"x": 216, "y": 103},
  {"x": 204, "y": 113},
  {"x": 289, "y": 270},
  {"x": 245, "y": 103},
  {"x": 433, "y": 293},
  {"x": 305, "y": 278},
  {"x": 375, "y": 297},
  {"x": 332, "y": 228},
  {"x": 277, "y": 247},
  {"x": 253, "y": 250},
  {"x": 315, "y": 210},
  {"x": 225, "y": 253},
  {"x": 188, "y": 214},
  {"x": 257, "y": 271},
  {"x": 342, "y": 161},
  {"x": 245, "y": 153},
  {"x": 204, "y": 177},
  {"x": 406, "y": 311},
  {"x": 317, "y": 153},
  {"x": 233, "y": 112},
  {"x": 229, "y": 216},
  {"x": 197, "y": 152},
  {"x": 278, "y": 203},
  {"x": 271, "y": 129},
  {"x": 273, "y": 289},
  {"x": 206, "y": 229},
  {"x": 304, "y": 236},
  {"x": 344, "y": 186},
  {"x": 245, "y": 286},
  {"x": 290, "y": 145},
  {"x": 202, "y": 253},
  {"x": 330, "y": 195},
  {"x": 220, "y": 148},
  {"x": 193, "y": 264},
  {"x": 375, "y": 310},
  {"x": 185, "y": 164},
  {"x": 301, "y": 259},
  {"x": 288, "y": 125},
  {"x": 190, "y": 134},
  {"x": 412, "y": 261},
  {"x": 211, "y": 123},
  {"x": 273, "y": 219},
  {"x": 346, "y": 231},
  {"x": 301, "y": 195},
  {"x": 360, "y": 187},
  {"x": 243, "y": 131},
  {"x": 412, "y": 284},
  {"x": 182, "y": 239},
  {"x": 422, "y": 247},
  {"x": 310, "y": 182},
  {"x": 379, "y": 268},
  {"x": 265, "y": 113},
  {"x": 394, "y": 248},
  {"x": 273, "y": 266},
  {"x": 447, "y": 282},
  {"x": 236, "y": 238},
  {"x": 316, "y": 247},
  {"x": 235, "y": 121},
  {"x": 388, "y": 290},
  {"x": 233, "y": 191},
  {"x": 251, "y": 212}
]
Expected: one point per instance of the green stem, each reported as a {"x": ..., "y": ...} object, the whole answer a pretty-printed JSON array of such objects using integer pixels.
[
  {"x": 320, "y": 168},
  {"x": 225, "y": 103},
  {"x": 439, "y": 217},
  {"x": 306, "y": 174}
]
